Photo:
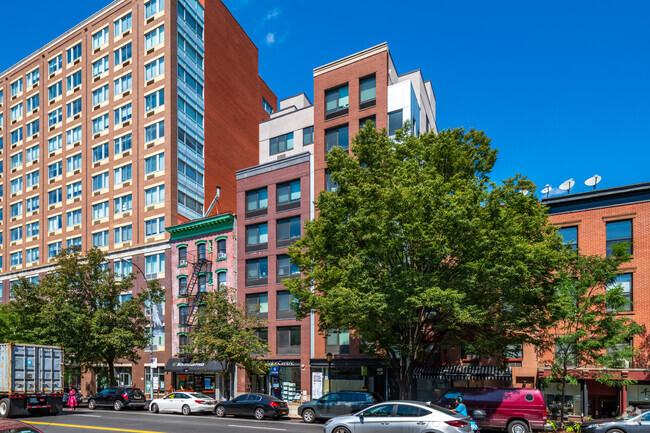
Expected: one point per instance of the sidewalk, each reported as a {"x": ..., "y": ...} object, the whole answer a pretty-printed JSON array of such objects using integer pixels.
[{"x": 293, "y": 410}]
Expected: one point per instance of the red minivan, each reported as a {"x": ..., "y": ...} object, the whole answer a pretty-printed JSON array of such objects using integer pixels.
[{"x": 517, "y": 410}]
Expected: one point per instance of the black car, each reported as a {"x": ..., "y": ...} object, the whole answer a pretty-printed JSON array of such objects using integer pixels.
[
  {"x": 626, "y": 423},
  {"x": 337, "y": 404},
  {"x": 118, "y": 398},
  {"x": 259, "y": 406}
]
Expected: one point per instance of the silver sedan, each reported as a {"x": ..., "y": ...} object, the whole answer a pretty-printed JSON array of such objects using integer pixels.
[{"x": 400, "y": 416}]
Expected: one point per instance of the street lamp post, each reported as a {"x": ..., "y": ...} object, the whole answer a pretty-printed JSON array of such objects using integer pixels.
[
  {"x": 329, "y": 371},
  {"x": 150, "y": 327}
]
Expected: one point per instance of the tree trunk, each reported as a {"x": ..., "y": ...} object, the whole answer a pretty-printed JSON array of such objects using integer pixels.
[
  {"x": 564, "y": 374},
  {"x": 111, "y": 373},
  {"x": 404, "y": 378}
]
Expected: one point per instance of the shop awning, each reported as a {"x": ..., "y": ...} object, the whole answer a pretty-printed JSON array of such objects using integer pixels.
[
  {"x": 465, "y": 372},
  {"x": 185, "y": 366}
]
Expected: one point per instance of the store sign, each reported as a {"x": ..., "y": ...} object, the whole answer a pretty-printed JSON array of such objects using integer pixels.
[
  {"x": 188, "y": 364},
  {"x": 364, "y": 370},
  {"x": 275, "y": 370},
  {"x": 638, "y": 393},
  {"x": 284, "y": 363},
  {"x": 316, "y": 385},
  {"x": 155, "y": 382}
]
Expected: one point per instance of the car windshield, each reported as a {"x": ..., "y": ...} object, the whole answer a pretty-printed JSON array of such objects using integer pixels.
[{"x": 200, "y": 395}]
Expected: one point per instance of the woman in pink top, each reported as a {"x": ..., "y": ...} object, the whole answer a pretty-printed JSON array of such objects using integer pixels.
[{"x": 72, "y": 399}]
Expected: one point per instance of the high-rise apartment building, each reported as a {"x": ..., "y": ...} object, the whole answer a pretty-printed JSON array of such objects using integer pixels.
[{"x": 123, "y": 126}]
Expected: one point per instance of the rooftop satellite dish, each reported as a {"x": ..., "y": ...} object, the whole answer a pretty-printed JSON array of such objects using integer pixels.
[
  {"x": 547, "y": 190},
  {"x": 524, "y": 191},
  {"x": 567, "y": 185},
  {"x": 593, "y": 181}
]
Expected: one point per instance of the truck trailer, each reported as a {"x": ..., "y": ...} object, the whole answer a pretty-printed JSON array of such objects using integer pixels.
[{"x": 31, "y": 379}]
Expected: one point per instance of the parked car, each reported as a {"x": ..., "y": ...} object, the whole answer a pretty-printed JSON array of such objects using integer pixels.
[
  {"x": 259, "y": 406},
  {"x": 183, "y": 402},
  {"x": 623, "y": 423},
  {"x": 400, "y": 416},
  {"x": 517, "y": 410},
  {"x": 15, "y": 426},
  {"x": 337, "y": 404},
  {"x": 118, "y": 398}
]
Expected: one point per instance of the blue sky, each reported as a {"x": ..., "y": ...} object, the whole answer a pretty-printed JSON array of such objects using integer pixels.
[{"x": 561, "y": 87}]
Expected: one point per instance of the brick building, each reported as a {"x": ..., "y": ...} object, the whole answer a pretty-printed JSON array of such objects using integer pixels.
[
  {"x": 121, "y": 127},
  {"x": 592, "y": 222}
]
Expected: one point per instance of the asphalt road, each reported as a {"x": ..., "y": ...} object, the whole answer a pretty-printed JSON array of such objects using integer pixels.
[{"x": 109, "y": 421}]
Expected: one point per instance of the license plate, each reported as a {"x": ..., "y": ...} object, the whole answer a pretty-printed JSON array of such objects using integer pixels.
[
  {"x": 33, "y": 400},
  {"x": 137, "y": 397}
]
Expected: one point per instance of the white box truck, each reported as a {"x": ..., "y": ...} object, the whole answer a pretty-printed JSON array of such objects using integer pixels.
[{"x": 31, "y": 379}]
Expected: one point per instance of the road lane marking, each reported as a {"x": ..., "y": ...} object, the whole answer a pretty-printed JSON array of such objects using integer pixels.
[
  {"x": 90, "y": 416},
  {"x": 90, "y": 427},
  {"x": 250, "y": 426}
]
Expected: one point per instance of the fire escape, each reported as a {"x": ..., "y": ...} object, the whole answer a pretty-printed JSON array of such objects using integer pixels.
[{"x": 201, "y": 267}]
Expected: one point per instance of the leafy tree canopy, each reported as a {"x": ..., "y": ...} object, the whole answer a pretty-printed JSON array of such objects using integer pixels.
[
  {"x": 418, "y": 247},
  {"x": 77, "y": 306}
]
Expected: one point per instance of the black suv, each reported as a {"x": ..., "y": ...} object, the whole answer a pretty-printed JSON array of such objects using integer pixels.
[
  {"x": 337, "y": 404},
  {"x": 118, "y": 398}
]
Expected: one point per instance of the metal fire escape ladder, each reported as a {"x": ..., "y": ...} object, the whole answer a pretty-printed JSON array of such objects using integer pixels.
[{"x": 193, "y": 292}]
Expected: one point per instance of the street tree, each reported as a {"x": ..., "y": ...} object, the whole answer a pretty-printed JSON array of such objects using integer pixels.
[
  {"x": 417, "y": 248},
  {"x": 223, "y": 332},
  {"x": 588, "y": 330},
  {"x": 78, "y": 306}
]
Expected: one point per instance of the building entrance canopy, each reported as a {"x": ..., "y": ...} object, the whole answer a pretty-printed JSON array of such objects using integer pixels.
[
  {"x": 179, "y": 365},
  {"x": 465, "y": 372}
]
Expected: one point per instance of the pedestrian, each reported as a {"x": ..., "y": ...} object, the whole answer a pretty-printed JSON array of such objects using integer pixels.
[{"x": 72, "y": 399}]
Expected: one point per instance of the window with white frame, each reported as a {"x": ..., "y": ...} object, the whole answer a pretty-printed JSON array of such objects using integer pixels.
[
  {"x": 100, "y": 239},
  {"x": 154, "y": 226},
  {"x": 73, "y": 135},
  {"x": 32, "y": 179},
  {"x": 100, "y": 210},
  {"x": 54, "y": 249},
  {"x": 16, "y": 160},
  {"x": 16, "y": 112},
  {"x": 33, "y": 77},
  {"x": 154, "y": 68},
  {"x": 122, "y": 268},
  {"x": 100, "y": 95},
  {"x": 16, "y": 185},
  {"x": 100, "y": 152},
  {"x": 73, "y": 80},
  {"x": 32, "y": 204},
  {"x": 123, "y": 84},
  {"x": 16, "y": 135},
  {"x": 55, "y": 90},
  {"x": 152, "y": 7},
  {"x": 100, "y": 123},
  {"x": 154, "y": 195},
  {"x": 73, "y": 242},
  {"x": 154, "y": 100},
  {"x": 123, "y": 234},
  {"x": 16, "y": 259},
  {"x": 100, "y": 66},
  {"x": 32, "y": 128},
  {"x": 154, "y": 132},
  {"x": 54, "y": 223},
  {"x": 55, "y": 196},
  {"x": 54, "y": 64},
  {"x": 122, "y": 144},
  {"x": 73, "y": 53},
  {"x": 73, "y": 162},
  {"x": 32, "y": 229},
  {"x": 16, "y": 87},
  {"x": 123, "y": 113},
  {"x": 123, "y": 203},
  {"x": 54, "y": 170},
  {"x": 73, "y": 190},
  {"x": 100, "y": 181},
  {"x": 154, "y": 264},
  {"x": 122, "y": 25},
  {"x": 122, "y": 174},
  {"x": 154, "y": 163},
  {"x": 123, "y": 54},
  {"x": 33, "y": 102},
  {"x": 73, "y": 108},
  {"x": 16, "y": 234},
  {"x": 55, "y": 143},
  {"x": 100, "y": 38},
  {"x": 55, "y": 117},
  {"x": 73, "y": 218},
  {"x": 154, "y": 37}
]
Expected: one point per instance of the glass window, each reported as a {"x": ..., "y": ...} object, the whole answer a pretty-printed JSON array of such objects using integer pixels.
[
  {"x": 73, "y": 218},
  {"x": 31, "y": 179},
  {"x": 286, "y": 268},
  {"x": 74, "y": 53},
  {"x": 618, "y": 232},
  {"x": 55, "y": 196},
  {"x": 73, "y": 80},
  {"x": 257, "y": 271},
  {"x": 16, "y": 135},
  {"x": 55, "y": 90},
  {"x": 73, "y": 190},
  {"x": 186, "y": 47},
  {"x": 625, "y": 281},
  {"x": 154, "y": 163},
  {"x": 257, "y": 304},
  {"x": 154, "y": 100},
  {"x": 154, "y": 68},
  {"x": 17, "y": 209},
  {"x": 123, "y": 113},
  {"x": 17, "y": 160},
  {"x": 54, "y": 170},
  {"x": 32, "y": 229},
  {"x": 122, "y": 174},
  {"x": 152, "y": 7},
  {"x": 123, "y": 84},
  {"x": 100, "y": 181},
  {"x": 365, "y": 120},
  {"x": 395, "y": 122},
  {"x": 54, "y": 143},
  {"x": 336, "y": 100},
  {"x": 73, "y": 162},
  {"x": 100, "y": 152},
  {"x": 182, "y": 255},
  {"x": 123, "y": 204},
  {"x": 122, "y": 144},
  {"x": 154, "y": 264},
  {"x": 337, "y": 137},
  {"x": 367, "y": 91},
  {"x": 330, "y": 185},
  {"x": 288, "y": 340},
  {"x": 122, "y": 25},
  {"x": 288, "y": 229},
  {"x": 256, "y": 200},
  {"x": 54, "y": 223},
  {"x": 257, "y": 234},
  {"x": 100, "y": 38},
  {"x": 54, "y": 64},
  {"x": 73, "y": 108},
  {"x": 191, "y": 111},
  {"x": 123, "y": 234},
  {"x": 154, "y": 195},
  {"x": 281, "y": 144},
  {"x": 382, "y": 410},
  {"x": 100, "y": 239},
  {"x": 32, "y": 128},
  {"x": 201, "y": 251},
  {"x": 308, "y": 135},
  {"x": 182, "y": 286},
  {"x": 16, "y": 87},
  {"x": 100, "y": 95},
  {"x": 73, "y": 242},
  {"x": 154, "y": 226},
  {"x": 570, "y": 237},
  {"x": 185, "y": 15},
  {"x": 221, "y": 280},
  {"x": 100, "y": 210},
  {"x": 16, "y": 185},
  {"x": 338, "y": 341},
  {"x": 16, "y": 234},
  {"x": 32, "y": 204},
  {"x": 16, "y": 112},
  {"x": 54, "y": 249},
  {"x": 288, "y": 192},
  {"x": 55, "y": 117},
  {"x": 154, "y": 37},
  {"x": 267, "y": 107},
  {"x": 221, "y": 248},
  {"x": 154, "y": 132},
  {"x": 191, "y": 80},
  {"x": 284, "y": 303},
  {"x": 33, "y": 77},
  {"x": 100, "y": 66},
  {"x": 16, "y": 259},
  {"x": 73, "y": 136}
]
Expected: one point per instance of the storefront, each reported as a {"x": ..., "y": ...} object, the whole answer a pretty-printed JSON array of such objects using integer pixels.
[
  {"x": 282, "y": 381},
  {"x": 205, "y": 377},
  {"x": 433, "y": 381},
  {"x": 348, "y": 374}
]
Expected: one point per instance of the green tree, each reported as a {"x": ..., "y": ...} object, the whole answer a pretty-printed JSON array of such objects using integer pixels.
[
  {"x": 418, "y": 247},
  {"x": 587, "y": 329},
  {"x": 225, "y": 333},
  {"x": 77, "y": 306}
]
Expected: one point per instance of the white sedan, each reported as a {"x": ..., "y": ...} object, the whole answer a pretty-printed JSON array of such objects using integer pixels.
[{"x": 183, "y": 402}]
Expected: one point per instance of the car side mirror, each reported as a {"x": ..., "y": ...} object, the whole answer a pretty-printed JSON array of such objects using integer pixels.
[
  {"x": 320, "y": 400},
  {"x": 478, "y": 414}
]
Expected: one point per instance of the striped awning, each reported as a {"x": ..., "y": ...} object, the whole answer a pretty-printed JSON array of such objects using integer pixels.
[{"x": 465, "y": 372}]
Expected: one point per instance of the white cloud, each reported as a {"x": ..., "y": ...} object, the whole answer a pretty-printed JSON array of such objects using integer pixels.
[
  {"x": 270, "y": 38},
  {"x": 273, "y": 13}
]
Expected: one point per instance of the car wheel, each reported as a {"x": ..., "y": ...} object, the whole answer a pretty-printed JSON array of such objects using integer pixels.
[
  {"x": 5, "y": 408},
  {"x": 92, "y": 404},
  {"x": 615, "y": 431},
  {"x": 308, "y": 416},
  {"x": 118, "y": 405},
  {"x": 220, "y": 411},
  {"x": 259, "y": 413},
  {"x": 518, "y": 427},
  {"x": 154, "y": 408},
  {"x": 340, "y": 429},
  {"x": 186, "y": 410}
]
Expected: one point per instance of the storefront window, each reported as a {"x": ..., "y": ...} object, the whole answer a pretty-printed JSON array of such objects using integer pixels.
[
  {"x": 290, "y": 383},
  {"x": 572, "y": 399},
  {"x": 159, "y": 380}
]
